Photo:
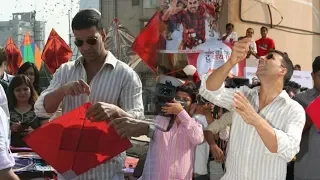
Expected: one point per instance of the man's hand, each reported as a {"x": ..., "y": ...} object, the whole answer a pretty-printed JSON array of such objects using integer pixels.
[
  {"x": 172, "y": 108},
  {"x": 245, "y": 109},
  {"x": 76, "y": 88},
  {"x": 240, "y": 50},
  {"x": 102, "y": 111},
  {"x": 217, "y": 153},
  {"x": 127, "y": 127}
]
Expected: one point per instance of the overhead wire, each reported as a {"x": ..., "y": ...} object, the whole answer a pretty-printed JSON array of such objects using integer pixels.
[{"x": 278, "y": 26}]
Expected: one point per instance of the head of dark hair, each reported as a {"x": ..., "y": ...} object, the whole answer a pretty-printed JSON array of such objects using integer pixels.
[
  {"x": 316, "y": 65},
  {"x": 189, "y": 88},
  {"x": 286, "y": 63},
  {"x": 25, "y": 67},
  {"x": 229, "y": 24},
  {"x": 16, "y": 82},
  {"x": 87, "y": 18},
  {"x": 263, "y": 27}
]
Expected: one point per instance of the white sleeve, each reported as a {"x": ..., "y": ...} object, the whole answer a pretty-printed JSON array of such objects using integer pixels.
[
  {"x": 6, "y": 158},
  {"x": 4, "y": 102}
]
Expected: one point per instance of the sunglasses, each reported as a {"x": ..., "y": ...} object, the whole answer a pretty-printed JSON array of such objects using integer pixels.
[
  {"x": 90, "y": 41},
  {"x": 270, "y": 56}
]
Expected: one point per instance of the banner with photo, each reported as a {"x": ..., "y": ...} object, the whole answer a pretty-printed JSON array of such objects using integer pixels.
[{"x": 189, "y": 26}]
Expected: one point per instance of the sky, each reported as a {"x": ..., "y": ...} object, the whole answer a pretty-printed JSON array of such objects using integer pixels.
[{"x": 54, "y": 12}]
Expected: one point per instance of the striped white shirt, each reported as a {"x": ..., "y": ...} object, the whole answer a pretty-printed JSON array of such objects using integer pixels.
[
  {"x": 248, "y": 158},
  {"x": 115, "y": 83}
]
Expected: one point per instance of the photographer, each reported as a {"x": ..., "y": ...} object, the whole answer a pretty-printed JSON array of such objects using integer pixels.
[{"x": 171, "y": 154}]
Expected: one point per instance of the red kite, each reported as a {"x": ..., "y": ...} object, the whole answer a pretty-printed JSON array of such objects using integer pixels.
[{"x": 72, "y": 144}]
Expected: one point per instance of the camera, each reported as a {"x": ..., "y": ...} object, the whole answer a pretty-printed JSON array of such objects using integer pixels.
[
  {"x": 164, "y": 93},
  {"x": 183, "y": 103}
]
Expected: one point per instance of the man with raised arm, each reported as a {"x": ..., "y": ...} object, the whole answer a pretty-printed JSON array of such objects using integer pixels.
[{"x": 266, "y": 123}]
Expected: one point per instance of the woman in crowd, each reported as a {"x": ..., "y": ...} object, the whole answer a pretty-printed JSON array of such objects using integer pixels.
[
  {"x": 31, "y": 71},
  {"x": 21, "y": 98}
]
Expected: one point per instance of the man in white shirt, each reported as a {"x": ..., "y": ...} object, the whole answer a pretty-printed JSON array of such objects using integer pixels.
[
  {"x": 266, "y": 123},
  {"x": 113, "y": 88},
  {"x": 6, "y": 158},
  {"x": 230, "y": 36}
]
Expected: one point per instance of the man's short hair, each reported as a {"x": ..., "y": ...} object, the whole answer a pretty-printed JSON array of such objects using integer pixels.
[
  {"x": 316, "y": 65},
  {"x": 87, "y": 18},
  {"x": 286, "y": 63},
  {"x": 263, "y": 27}
]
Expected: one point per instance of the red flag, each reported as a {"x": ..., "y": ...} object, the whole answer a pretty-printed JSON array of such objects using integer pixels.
[
  {"x": 55, "y": 52},
  {"x": 313, "y": 112},
  {"x": 72, "y": 144},
  {"x": 147, "y": 43},
  {"x": 14, "y": 57}
]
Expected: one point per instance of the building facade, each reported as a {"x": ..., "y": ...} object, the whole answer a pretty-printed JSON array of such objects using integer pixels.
[{"x": 19, "y": 25}]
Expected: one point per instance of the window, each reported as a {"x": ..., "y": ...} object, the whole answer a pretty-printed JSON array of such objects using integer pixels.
[
  {"x": 135, "y": 2},
  {"x": 150, "y": 3}
]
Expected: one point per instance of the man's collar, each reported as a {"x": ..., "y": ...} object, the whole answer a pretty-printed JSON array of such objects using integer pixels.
[
  {"x": 110, "y": 59},
  {"x": 283, "y": 95}
]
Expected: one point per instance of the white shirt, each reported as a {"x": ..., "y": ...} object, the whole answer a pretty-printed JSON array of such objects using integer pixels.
[
  {"x": 202, "y": 150},
  {"x": 6, "y": 158},
  {"x": 4, "y": 102},
  {"x": 232, "y": 36},
  {"x": 248, "y": 158},
  {"x": 115, "y": 83}
]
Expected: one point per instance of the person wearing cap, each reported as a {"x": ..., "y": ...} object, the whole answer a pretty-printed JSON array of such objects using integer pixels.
[
  {"x": 308, "y": 159},
  {"x": 266, "y": 123}
]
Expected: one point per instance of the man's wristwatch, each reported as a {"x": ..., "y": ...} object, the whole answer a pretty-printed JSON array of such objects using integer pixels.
[{"x": 151, "y": 130}]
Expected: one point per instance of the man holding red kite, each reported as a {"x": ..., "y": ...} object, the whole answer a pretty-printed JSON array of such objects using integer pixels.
[{"x": 113, "y": 88}]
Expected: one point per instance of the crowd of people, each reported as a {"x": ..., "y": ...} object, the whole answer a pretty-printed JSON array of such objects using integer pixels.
[{"x": 217, "y": 131}]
